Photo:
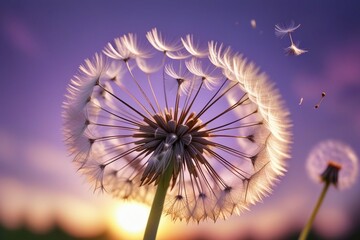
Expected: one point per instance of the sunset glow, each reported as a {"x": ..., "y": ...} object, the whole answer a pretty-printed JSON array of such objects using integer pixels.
[{"x": 131, "y": 217}]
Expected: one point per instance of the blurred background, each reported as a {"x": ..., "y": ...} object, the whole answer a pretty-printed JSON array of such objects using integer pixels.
[{"x": 42, "y": 43}]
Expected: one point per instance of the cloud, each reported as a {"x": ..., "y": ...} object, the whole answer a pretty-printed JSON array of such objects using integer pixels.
[
  {"x": 42, "y": 188},
  {"x": 39, "y": 209},
  {"x": 37, "y": 162},
  {"x": 19, "y": 34}
]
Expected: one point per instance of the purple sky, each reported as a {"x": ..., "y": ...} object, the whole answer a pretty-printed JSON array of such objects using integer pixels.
[{"x": 42, "y": 43}]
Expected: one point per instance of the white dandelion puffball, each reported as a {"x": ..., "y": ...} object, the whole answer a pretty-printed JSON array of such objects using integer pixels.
[
  {"x": 335, "y": 153},
  {"x": 141, "y": 107}
]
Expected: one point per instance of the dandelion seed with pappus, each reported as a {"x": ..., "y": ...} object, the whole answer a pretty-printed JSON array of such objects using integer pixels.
[
  {"x": 195, "y": 130},
  {"x": 282, "y": 31}
]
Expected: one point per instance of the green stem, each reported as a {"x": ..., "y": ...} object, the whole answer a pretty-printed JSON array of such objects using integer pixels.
[
  {"x": 158, "y": 204},
  {"x": 307, "y": 227}
]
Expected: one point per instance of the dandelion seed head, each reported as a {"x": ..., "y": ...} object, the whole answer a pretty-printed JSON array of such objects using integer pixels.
[
  {"x": 335, "y": 154},
  {"x": 209, "y": 114}
]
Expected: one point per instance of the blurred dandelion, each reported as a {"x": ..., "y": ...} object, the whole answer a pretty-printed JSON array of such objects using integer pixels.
[
  {"x": 282, "y": 31},
  {"x": 331, "y": 162},
  {"x": 333, "y": 153},
  {"x": 197, "y": 130},
  {"x": 253, "y": 23}
]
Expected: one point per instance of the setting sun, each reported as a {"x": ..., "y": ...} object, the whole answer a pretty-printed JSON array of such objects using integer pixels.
[{"x": 131, "y": 217}]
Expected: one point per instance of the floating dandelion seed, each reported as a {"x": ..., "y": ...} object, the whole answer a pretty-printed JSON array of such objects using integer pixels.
[
  {"x": 253, "y": 23},
  {"x": 333, "y": 163},
  {"x": 323, "y": 94},
  {"x": 281, "y": 31},
  {"x": 301, "y": 101},
  {"x": 204, "y": 122}
]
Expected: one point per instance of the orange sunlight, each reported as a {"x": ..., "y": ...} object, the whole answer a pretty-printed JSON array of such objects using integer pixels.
[{"x": 130, "y": 219}]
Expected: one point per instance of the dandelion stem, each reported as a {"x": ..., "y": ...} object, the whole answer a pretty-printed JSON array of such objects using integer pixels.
[
  {"x": 158, "y": 204},
  {"x": 308, "y": 225},
  {"x": 291, "y": 39}
]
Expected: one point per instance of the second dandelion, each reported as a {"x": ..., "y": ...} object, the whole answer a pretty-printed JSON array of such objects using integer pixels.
[{"x": 331, "y": 162}]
